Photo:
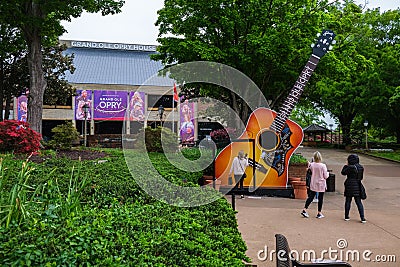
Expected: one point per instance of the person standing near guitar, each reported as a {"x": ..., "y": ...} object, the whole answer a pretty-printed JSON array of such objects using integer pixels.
[
  {"x": 238, "y": 168},
  {"x": 318, "y": 184}
]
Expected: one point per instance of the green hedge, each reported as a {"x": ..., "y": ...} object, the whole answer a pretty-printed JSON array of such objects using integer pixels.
[
  {"x": 120, "y": 225},
  {"x": 129, "y": 235}
]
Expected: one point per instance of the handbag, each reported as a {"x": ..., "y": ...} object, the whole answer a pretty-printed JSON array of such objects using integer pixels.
[
  {"x": 363, "y": 193},
  {"x": 308, "y": 178}
]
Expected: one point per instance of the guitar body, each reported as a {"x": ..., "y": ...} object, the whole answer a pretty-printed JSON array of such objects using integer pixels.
[{"x": 272, "y": 150}]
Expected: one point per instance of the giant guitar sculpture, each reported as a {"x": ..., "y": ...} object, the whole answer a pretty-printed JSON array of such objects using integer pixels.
[{"x": 270, "y": 138}]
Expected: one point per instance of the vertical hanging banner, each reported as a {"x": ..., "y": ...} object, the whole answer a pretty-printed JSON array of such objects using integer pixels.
[
  {"x": 83, "y": 97},
  {"x": 136, "y": 106},
  {"x": 110, "y": 105},
  {"x": 187, "y": 122},
  {"x": 22, "y": 108}
]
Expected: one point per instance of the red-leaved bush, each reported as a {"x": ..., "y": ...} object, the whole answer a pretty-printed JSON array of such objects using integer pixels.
[
  {"x": 222, "y": 134},
  {"x": 17, "y": 137}
]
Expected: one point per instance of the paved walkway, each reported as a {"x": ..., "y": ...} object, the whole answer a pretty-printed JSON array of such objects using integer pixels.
[{"x": 259, "y": 219}]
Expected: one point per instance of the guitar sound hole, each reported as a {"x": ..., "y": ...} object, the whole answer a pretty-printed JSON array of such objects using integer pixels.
[{"x": 268, "y": 140}]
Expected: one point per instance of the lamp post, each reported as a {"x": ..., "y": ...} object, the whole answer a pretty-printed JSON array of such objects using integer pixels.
[
  {"x": 161, "y": 113},
  {"x": 85, "y": 111},
  {"x": 330, "y": 126},
  {"x": 366, "y": 134}
]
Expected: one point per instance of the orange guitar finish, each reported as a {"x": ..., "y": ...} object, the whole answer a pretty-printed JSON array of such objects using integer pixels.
[{"x": 259, "y": 121}]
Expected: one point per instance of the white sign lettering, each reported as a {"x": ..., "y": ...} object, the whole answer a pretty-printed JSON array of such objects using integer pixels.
[
  {"x": 110, "y": 105},
  {"x": 131, "y": 47}
]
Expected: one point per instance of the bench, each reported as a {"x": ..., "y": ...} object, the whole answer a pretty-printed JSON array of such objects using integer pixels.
[{"x": 283, "y": 258}]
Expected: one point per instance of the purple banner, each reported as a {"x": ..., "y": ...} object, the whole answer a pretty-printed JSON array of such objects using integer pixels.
[
  {"x": 22, "y": 105},
  {"x": 83, "y": 98},
  {"x": 187, "y": 122},
  {"x": 136, "y": 106},
  {"x": 110, "y": 105}
]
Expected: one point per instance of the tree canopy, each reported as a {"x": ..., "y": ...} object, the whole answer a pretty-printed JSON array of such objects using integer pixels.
[
  {"x": 269, "y": 42},
  {"x": 39, "y": 21},
  {"x": 14, "y": 73},
  {"x": 362, "y": 73}
]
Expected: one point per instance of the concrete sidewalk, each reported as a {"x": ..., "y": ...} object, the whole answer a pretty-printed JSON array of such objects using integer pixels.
[{"x": 260, "y": 218}]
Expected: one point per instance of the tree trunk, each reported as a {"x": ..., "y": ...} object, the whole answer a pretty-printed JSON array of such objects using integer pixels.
[
  {"x": 346, "y": 134},
  {"x": 7, "y": 108},
  {"x": 37, "y": 80},
  {"x": 37, "y": 84},
  {"x": 235, "y": 107}
]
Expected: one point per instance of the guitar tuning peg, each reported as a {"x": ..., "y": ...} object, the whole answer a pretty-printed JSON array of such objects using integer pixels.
[
  {"x": 330, "y": 47},
  {"x": 318, "y": 34},
  {"x": 334, "y": 42},
  {"x": 312, "y": 45}
]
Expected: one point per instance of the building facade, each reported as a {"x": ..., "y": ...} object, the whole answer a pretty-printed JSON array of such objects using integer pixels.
[{"x": 119, "y": 90}]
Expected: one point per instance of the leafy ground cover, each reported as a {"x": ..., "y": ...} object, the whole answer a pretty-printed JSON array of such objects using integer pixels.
[
  {"x": 91, "y": 212},
  {"x": 392, "y": 155}
]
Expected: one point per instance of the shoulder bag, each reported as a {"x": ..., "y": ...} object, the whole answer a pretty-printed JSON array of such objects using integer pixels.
[
  {"x": 363, "y": 193},
  {"x": 244, "y": 173}
]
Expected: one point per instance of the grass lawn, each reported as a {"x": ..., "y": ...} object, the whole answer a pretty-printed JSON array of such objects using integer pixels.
[{"x": 395, "y": 155}]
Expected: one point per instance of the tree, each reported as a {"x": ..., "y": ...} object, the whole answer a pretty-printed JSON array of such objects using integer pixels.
[
  {"x": 39, "y": 21},
  {"x": 382, "y": 93},
  {"x": 14, "y": 75},
  {"x": 306, "y": 114},
  {"x": 346, "y": 73},
  {"x": 58, "y": 90},
  {"x": 394, "y": 104},
  {"x": 360, "y": 76},
  {"x": 269, "y": 41}
]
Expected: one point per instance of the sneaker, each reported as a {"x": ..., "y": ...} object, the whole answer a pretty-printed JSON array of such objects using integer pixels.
[
  {"x": 347, "y": 219},
  {"x": 305, "y": 214},
  {"x": 320, "y": 216},
  {"x": 242, "y": 196},
  {"x": 315, "y": 200},
  {"x": 363, "y": 220}
]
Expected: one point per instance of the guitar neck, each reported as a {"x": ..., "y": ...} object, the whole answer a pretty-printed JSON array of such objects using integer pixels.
[
  {"x": 258, "y": 166},
  {"x": 294, "y": 95}
]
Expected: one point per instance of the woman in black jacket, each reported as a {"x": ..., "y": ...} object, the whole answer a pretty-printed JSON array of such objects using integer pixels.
[{"x": 355, "y": 172}]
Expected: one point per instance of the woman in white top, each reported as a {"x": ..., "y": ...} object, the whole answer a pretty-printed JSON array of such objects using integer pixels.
[{"x": 238, "y": 168}]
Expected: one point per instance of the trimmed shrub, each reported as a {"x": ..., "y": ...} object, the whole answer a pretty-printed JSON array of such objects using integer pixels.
[
  {"x": 64, "y": 136},
  {"x": 17, "y": 137},
  {"x": 297, "y": 158},
  {"x": 129, "y": 235},
  {"x": 119, "y": 224},
  {"x": 157, "y": 139}
]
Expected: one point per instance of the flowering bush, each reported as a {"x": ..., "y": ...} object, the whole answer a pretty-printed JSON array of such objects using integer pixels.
[
  {"x": 16, "y": 136},
  {"x": 222, "y": 134}
]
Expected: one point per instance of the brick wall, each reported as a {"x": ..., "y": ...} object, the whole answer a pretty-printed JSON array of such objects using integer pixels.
[{"x": 298, "y": 170}]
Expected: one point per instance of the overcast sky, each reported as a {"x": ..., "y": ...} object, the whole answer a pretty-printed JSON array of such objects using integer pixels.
[{"x": 135, "y": 24}]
